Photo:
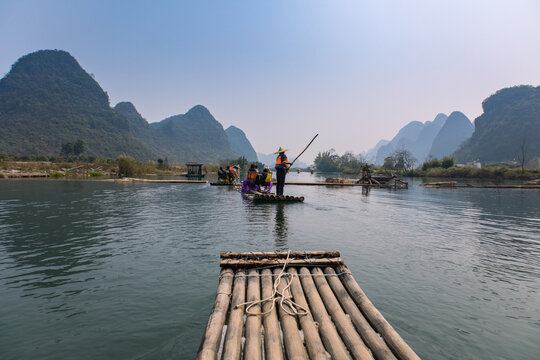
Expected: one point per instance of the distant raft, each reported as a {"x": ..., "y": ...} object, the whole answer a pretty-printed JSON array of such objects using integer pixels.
[
  {"x": 261, "y": 197},
  {"x": 295, "y": 305},
  {"x": 222, "y": 183}
]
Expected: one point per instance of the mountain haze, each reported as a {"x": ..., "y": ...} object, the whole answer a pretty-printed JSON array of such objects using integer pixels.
[
  {"x": 240, "y": 143},
  {"x": 455, "y": 130},
  {"x": 415, "y": 137}
]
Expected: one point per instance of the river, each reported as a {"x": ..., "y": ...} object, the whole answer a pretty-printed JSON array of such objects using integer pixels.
[{"x": 104, "y": 270}]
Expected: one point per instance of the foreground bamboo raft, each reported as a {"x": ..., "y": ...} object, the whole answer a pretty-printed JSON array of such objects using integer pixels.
[
  {"x": 319, "y": 311},
  {"x": 260, "y": 197}
]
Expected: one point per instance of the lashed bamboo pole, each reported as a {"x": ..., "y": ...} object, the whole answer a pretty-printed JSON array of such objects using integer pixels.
[
  {"x": 329, "y": 334},
  {"x": 272, "y": 334},
  {"x": 312, "y": 338},
  {"x": 371, "y": 338},
  {"x": 212, "y": 336},
  {"x": 253, "y": 345},
  {"x": 278, "y": 254},
  {"x": 345, "y": 327},
  {"x": 390, "y": 336},
  {"x": 291, "y": 336},
  {"x": 232, "y": 347},
  {"x": 235, "y": 263}
]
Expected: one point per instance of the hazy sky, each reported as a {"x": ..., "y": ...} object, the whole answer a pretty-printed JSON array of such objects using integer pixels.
[{"x": 352, "y": 71}]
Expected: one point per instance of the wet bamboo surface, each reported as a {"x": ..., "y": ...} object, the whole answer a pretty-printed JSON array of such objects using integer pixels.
[{"x": 341, "y": 322}]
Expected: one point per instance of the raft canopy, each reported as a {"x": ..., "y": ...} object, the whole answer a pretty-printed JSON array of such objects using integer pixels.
[{"x": 295, "y": 305}]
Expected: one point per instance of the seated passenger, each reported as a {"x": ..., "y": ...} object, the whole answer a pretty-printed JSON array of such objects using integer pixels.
[
  {"x": 222, "y": 175},
  {"x": 232, "y": 173},
  {"x": 265, "y": 181},
  {"x": 252, "y": 174}
]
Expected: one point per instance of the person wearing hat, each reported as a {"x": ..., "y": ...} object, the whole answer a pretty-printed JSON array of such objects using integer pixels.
[{"x": 282, "y": 165}]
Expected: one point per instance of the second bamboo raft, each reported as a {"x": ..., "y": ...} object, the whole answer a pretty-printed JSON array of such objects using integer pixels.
[
  {"x": 262, "y": 197},
  {"x": 341, "y": 322}
]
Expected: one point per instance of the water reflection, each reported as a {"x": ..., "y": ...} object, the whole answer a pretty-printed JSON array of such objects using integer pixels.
[{"x": 281, "y": 227}]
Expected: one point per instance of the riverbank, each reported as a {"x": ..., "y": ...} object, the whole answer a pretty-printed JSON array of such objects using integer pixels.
[
  {"x": 495, "y": 173},
  {"x": 77, "y": 169}
]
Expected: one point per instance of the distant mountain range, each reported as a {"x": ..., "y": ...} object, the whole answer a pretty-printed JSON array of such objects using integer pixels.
[
  {"x": 437, "y": 138},
  {"x": 508, "y": 130},
  {"x": 47, "y": 99}
]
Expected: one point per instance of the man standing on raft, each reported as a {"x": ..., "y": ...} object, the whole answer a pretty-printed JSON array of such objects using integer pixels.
[{"x": 282, "y": 166}]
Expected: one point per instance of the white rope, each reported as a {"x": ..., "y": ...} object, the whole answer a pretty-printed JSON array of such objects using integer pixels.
[{"x": 284, "y": 297}]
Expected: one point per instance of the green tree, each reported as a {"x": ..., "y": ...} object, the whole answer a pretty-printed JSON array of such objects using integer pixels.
[
  {"x": 388, "y": 163},
  {"x": 78, "y": 147},
  {"x": 327, "y": 161},
  {"x": 433, "y": 163},
  {"x": 403, "y": 159},
  {"x": 447, "y": 162},
  {"x": 67, "y": 149}
]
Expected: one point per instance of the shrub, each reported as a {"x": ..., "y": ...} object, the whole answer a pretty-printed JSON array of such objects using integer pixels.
[
  {"x": 447, "y": 162},
  {"x": 56, "y": 175},
  {"x": 126, "y": 166}
]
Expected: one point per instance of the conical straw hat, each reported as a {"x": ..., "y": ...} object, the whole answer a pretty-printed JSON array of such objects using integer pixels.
[{"x": 281, "y": 150}]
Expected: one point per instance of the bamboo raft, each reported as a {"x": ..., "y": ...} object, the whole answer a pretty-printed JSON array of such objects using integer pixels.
[
  {"x": 317, "y": 311},
  {"x": 346, "y": 184},
  {"x": 222, "y": 184},
  {"x": 439, "y": 184},
  {"x": 161, "y": 181},
  {"x": 262, "y": 197}
]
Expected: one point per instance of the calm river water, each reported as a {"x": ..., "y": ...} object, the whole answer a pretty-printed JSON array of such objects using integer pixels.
[{"x": 102, "y": 270}]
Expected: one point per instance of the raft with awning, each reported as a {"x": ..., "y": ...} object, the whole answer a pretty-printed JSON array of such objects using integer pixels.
[{"x": 295, "y": 305}]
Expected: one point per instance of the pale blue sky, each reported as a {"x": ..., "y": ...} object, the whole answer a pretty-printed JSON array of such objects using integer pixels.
[{"x": 353, "y": 71}]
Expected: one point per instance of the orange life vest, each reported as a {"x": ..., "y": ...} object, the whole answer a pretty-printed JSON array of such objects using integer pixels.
[
  {"x": 252, "y": 175},
  {"x": 281, "y": 163}
]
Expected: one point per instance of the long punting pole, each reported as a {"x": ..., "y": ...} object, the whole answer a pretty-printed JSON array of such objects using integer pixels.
[{"x": 304, "y": 149}]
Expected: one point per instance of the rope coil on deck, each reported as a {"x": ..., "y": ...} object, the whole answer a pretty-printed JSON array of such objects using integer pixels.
[{"x": 284, "y": 297}]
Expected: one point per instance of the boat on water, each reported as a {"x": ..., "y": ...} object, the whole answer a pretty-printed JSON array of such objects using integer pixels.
[{"x": 194, "y": 170}]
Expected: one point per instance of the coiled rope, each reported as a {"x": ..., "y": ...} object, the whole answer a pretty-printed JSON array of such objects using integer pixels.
[{"x": 284, "y": 297}]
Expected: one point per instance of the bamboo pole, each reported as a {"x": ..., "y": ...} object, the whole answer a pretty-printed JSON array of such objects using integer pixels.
[
  {"x": 371, "y": 338},
  {"x": 235, "y": 263},
  {"x": 253, "y": 345},
  {"x": 377, "y": 320},
  {"x": 232, "y": 347},
  {"x": 291, "y": 336},
  {"x": 278, "y": 254},
  {"x": 312, "y": 338},
  {"x": 272, "y": 334},
  {"x": 329, "y": 334},
  {"x": 345, "y": 327},
  {"x": 212, "y": 336}
]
